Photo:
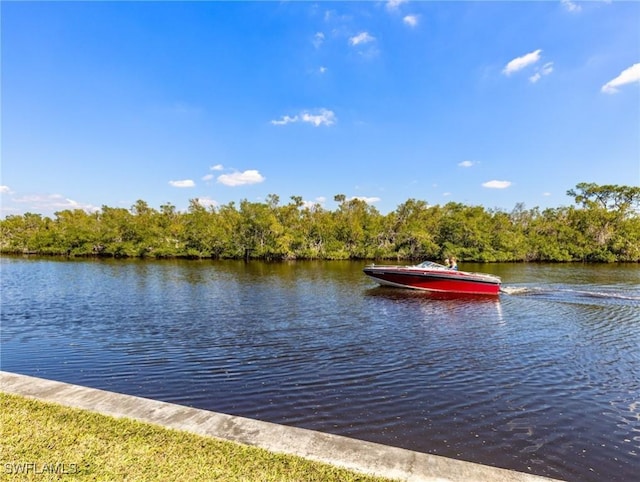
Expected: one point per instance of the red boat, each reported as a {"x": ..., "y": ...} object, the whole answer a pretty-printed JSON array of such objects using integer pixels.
[{"x": 432, "y": 276}]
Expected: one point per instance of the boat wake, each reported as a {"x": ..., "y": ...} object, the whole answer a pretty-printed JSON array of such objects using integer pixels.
[
  {"x": 573, "y": 294},
  {"x": 533, "y": 290},
  {"x": 515, "y": 290}
]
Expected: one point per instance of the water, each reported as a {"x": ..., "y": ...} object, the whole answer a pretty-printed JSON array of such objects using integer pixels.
[{"x": 544, "y": 379}]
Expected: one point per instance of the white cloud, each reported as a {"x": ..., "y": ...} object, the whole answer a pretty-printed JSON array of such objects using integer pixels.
[
  {"x": 318, "y": 39},
  {"x": 329, "y": 15},
  {"x": 324, "y": 117},
  {"x": 496, "y": 184},
  {"x": 206, "y": 202},
  {"x": 627, "y": 76},
  {"x": 318, "y": 118},
  {"x": 571, "y": 6},
  {"x": 183, "y": 183},
  {"x": 411, "y": 20},
  {"x": 322, "y": 69},
  {"x": 52, "y": 202},
  {"x": 216, "y": 167},
  {"x": 394, "y": 4},
  {"x": 520, "y": 63},
  {"x": 361, "y": 38},
  {"x": 368, "y": 200},
  {"x": 466, "y": 163},
  {"x": 546, "y": 194},
  {"x": 4, "y": 189},
  {"x": 546, "y": 69},
  {"x": 285, "y": 120},
  {"x": 312, "y": 204},
  {"x": 250, "y": 176}
]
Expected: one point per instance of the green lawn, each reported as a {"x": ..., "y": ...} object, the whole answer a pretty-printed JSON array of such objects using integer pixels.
[{"x": 45, "y": 441}]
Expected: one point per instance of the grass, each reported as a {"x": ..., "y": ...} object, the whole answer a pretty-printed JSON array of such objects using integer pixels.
[{"x": 45, "y": 441}]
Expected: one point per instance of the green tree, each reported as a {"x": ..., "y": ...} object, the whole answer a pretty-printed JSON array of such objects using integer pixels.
[
  {"x": 76, "y": 232},
  {"x": 605, "y": 214},
  {"x": 28, "y": 233},
  {"x": 410, "y": 232},
  {"x": 356, "y": 225},
  {"x": 117, "y": 234},
  {"x": 604, "y": 226},
  {"x": 465, "y": 234},
  {"x": 610, "y": 197},
  {"x": 508, "y": 239}
]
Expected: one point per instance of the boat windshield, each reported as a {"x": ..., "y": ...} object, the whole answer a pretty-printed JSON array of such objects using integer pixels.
[{"x": 431, "y": 265}]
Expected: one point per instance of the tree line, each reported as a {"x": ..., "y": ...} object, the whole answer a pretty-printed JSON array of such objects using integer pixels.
[{"x": 602, "y": 226}]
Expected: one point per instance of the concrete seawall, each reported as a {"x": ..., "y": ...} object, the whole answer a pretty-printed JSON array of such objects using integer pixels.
[{"x": 364, "y": 457}]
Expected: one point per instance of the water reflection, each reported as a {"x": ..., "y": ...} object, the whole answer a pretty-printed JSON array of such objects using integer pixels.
[
  {"x": 446, "y": 307},
  {"x": 542, "y": 380}
]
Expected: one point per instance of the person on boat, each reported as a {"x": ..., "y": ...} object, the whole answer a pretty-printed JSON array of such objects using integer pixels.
[
  {"x": 454, "y": 264},
  {"x": 447, "y": 263}
]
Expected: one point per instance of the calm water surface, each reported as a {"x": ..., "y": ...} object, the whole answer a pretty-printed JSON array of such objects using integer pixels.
[{"x": 544, "y": 380}]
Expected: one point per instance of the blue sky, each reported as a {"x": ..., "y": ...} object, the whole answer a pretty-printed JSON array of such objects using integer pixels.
[{"x": 483, "y": 103}]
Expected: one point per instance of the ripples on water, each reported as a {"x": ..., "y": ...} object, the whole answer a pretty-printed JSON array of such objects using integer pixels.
[{"x": 545, "y": 379}]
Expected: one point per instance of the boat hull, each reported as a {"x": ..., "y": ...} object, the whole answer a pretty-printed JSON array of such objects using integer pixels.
[{"x": 439, "y": 281}]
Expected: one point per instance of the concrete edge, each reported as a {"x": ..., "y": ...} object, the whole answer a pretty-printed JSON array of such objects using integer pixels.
[{"x": 359, "y": 456}]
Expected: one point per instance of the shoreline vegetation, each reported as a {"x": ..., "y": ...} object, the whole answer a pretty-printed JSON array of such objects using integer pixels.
[
  {"x": 603, "y": 226},
  {"x": 46, "y": 439}
]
